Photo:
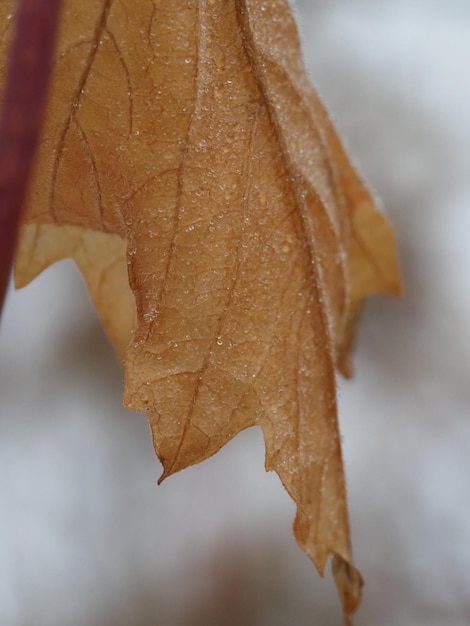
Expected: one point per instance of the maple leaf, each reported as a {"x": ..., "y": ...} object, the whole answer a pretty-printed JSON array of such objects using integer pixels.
[{"x": 190, "y": 170}]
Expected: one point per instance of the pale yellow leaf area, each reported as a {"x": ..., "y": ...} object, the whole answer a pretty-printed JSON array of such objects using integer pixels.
[{"x": 190, "y": 170}]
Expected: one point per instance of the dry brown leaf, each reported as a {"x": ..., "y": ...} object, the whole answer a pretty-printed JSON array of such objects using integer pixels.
[{"x": 185, "y": 145}]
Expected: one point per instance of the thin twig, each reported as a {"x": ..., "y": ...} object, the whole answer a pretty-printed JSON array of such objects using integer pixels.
[{"x": 27, "y": 80}]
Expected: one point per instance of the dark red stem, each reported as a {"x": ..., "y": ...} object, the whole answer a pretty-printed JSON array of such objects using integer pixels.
[{"x": 29, "y": 68}]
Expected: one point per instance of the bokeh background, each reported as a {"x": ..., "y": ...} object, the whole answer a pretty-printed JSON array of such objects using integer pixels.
[{"x": 87, "y": 538}]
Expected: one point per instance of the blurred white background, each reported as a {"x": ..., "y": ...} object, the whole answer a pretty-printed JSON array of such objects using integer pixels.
[{"x": 86, "y": 537}]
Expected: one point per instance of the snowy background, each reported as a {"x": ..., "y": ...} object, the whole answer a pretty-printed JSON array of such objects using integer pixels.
[{"x": 86, "y": 537}]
